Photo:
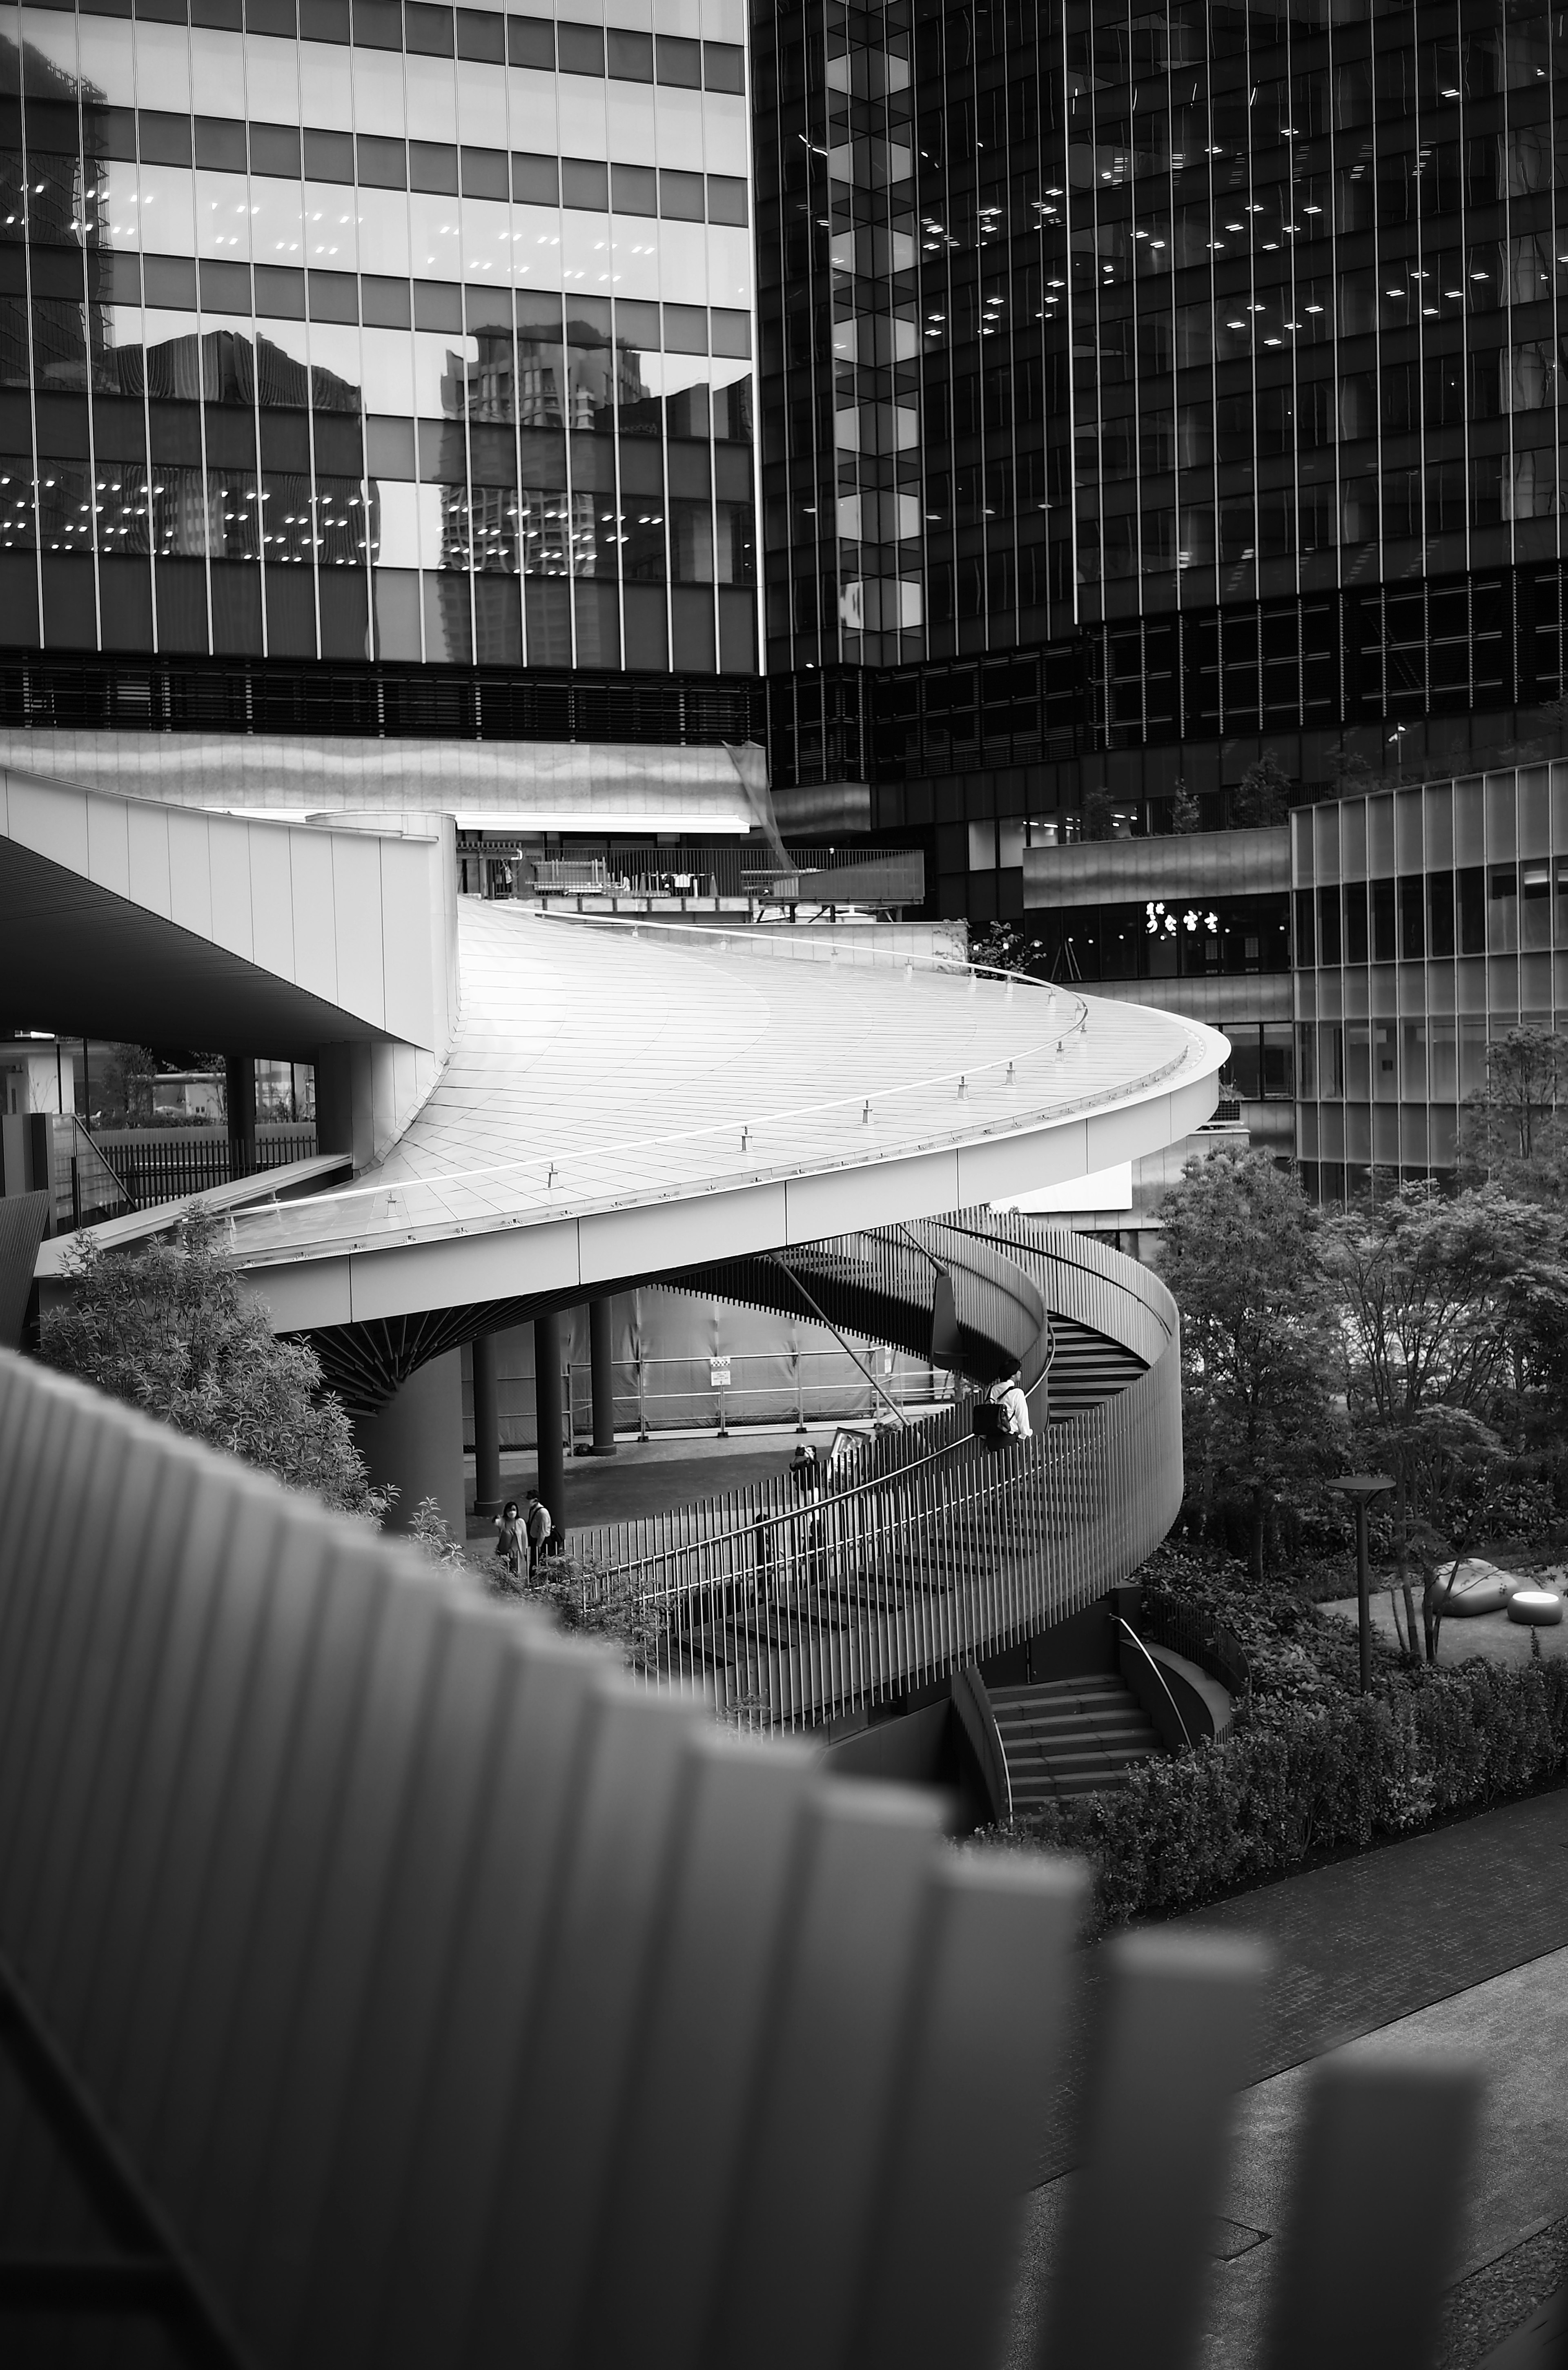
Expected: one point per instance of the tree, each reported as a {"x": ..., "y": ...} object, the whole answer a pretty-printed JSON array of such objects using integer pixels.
[
  {"x": 120, "y": 1085},
  {"x": 1186, "y": 816},
  {"x": 1262, "y": 795},
  {"x": 1098, "y": 814},
  {"x": 1241, "y": 1253},
  {"x": 1353, "y": 776},
  {"x": 1514, "y": 1131},
  {"x": 1454, "y": 1321},
  {"x": 170, "y": 1331}
]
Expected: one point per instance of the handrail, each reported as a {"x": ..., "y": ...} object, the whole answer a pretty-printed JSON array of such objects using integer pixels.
[
  {"x": 1204, "y": 1640},
  {"x": 932, "y": 1550},
  {"x": 888, "y": 1400},
  {"x": 1126, "y": 1627},
  {"x": 971, "y": 1701},
  {"x": 551, "y": 1163}
]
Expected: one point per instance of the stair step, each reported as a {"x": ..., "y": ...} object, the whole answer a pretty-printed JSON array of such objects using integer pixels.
[
  {"x": 1045, "y": 1750},
  {"x": 1066, "y": 1738},
  {"x": 1060, "y": 1691},
  {"x": 1111, "y": 1718}
]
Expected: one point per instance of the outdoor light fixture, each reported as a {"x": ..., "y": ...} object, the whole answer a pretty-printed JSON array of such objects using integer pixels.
[{"x": 1362, "y": 1487}]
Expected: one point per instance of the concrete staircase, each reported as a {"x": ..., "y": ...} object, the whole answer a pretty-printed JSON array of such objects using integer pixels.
[
  {"x": 1087, "y": 1370},
  {"x": 1069, "y": 1736}
]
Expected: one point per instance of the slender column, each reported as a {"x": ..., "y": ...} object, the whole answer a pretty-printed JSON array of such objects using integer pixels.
[
  {"x": 416, "y": 1443},
  {"x": 487, "y": 1426},
  {"x": 547, "y": 1415},
  {"x": 602, "y": 1357},
  {"x": 241, "y": 1079}
]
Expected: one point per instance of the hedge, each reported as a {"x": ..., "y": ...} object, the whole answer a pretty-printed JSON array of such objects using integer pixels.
[{"x": 1297, "y": 1778}]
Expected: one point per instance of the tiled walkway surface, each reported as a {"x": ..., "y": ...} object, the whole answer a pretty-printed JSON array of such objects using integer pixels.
[
  {"x": 1367, "y": 1941},
  {"x": 1453, "y": 1940},
  {"x": 600, "y": 1065},
  {"x": 653, "y": 1477}
]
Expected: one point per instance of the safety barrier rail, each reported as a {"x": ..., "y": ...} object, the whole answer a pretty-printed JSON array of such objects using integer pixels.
[
  {"x": 402, "y": 1987},
  {"x": 413, "y": 1203},
  {"x": 733, "y": 869},
  {"x": 924, "y": 1550},
  {"x": 1200, "y": 1638},
  {"x": 160, "y": 1170},
  {"x": 757, "y": 1388},
  {"x": 85, "y": 1188}
]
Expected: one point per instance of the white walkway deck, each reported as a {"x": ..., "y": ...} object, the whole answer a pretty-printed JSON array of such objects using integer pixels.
[{"x": 627, "y": 1097}]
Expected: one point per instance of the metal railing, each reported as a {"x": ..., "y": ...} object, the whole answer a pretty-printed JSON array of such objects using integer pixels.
[
  {"x": 1200, "y": 1638},
  {"x": 922, "y": 1552},
  {"x": 564, "y": 1181},
  {"x": 763, "y": 1388},
  {"x": 1130, "y": 1637},
  {"x": 736, "y": 871},
  {"x": 166, "y": 1170},
  {"x": 971, "y": 1701},
  {"x": 549, "y": 2003},
  {"x": 85, "y": 1188}
]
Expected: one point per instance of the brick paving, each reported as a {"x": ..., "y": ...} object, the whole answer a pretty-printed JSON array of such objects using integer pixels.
[
  {"x": 1358, "y": 1945},
  {"x": 1363, "y": 1941},
  {"x": 1360, "y": 1942}
]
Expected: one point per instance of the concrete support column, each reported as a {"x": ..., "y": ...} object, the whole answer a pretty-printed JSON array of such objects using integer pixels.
[
  {"x": 367, "y": 1092},
  {"x": 487, "y": 1426},
  {"x": 602, "y": 1355},
  {"x": 416, "y": 1443},
  {"x": 547, "y": 1414},
  {"x": 241, "y": 1081}
]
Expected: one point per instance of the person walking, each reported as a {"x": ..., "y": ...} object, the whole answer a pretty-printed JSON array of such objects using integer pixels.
[
  {"x": 540, "y": 1530},
  {"x": 1013, "y": 1401},
  {"x": 1003, "y": 1414},
  {"x": 512, "y": 1541}
]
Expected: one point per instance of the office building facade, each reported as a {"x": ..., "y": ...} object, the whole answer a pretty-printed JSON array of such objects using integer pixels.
[
  {"x": 386, "y": 367},
  {"x": 1428, "y": 922},
  {"x": 1143, "y": 388},
  {"x": 1198, "y": 924}
]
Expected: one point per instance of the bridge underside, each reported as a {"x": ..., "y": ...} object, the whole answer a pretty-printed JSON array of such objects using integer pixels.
[{"x": 881, "y": 1285}]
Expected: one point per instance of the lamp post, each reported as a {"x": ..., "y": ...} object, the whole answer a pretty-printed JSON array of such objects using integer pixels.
[{"x": 1362, "y": 1487}]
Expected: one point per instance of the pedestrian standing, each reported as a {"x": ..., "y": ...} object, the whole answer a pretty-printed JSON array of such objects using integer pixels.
[
  {"x": 512, "y": 1541},
  {"x": 540, "y": 1530}
]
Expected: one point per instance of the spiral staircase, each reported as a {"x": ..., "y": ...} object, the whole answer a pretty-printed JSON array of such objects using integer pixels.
[{"x": 927, "y": 1550}]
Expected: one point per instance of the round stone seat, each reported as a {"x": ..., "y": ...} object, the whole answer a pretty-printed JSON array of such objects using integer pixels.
[{"x": 1541, "y": 1608}]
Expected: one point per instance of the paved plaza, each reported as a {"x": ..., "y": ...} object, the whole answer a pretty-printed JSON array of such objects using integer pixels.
[
  {"x": 1490, "y": 1635},
  {"x": 1453, "y": 1942}
]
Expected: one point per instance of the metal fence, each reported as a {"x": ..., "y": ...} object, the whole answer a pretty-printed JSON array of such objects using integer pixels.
[
  {"x": 924, "y": 1549},
  {"x": 1200, "y": 1638},
  {"x": 85, "y": 1188},
  {"x": 168, "y": 1171},
  {"x": 762, "y": 1387},
  {"x": 735, "y": 869},
  {"x": 399, "y": 1987}
]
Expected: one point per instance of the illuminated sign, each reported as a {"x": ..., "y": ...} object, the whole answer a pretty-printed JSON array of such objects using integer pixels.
[{"x": 1163, "y": 923}]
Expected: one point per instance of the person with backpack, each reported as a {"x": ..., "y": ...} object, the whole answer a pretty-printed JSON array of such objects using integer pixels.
[
  {"x": 1010, "y": 1397},
  {"x": 540, "y": 1529}
]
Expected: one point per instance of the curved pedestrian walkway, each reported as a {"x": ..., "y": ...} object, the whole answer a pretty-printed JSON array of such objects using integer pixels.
[{"x": 1454, "y": 1941}]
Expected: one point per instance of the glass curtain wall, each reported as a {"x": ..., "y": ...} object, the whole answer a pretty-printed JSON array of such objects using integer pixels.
[
  {"x": 1314, "y": 283},
  {"x": 426, "y": 336},
  {"x": 1427, "y": 920},
  {"x": 1238, "y": 390}
]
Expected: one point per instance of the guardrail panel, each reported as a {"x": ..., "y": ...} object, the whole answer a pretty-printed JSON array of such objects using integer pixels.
[{"x": 936, "y": 1548}]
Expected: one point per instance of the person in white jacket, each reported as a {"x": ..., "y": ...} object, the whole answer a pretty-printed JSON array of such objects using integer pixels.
[{"x": 1008, "y": 1395}]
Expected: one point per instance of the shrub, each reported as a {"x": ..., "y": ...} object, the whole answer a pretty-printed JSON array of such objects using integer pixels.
[
  {"x": 170, "y": 1330},
  {"x": 1298, "y": 1776}
]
